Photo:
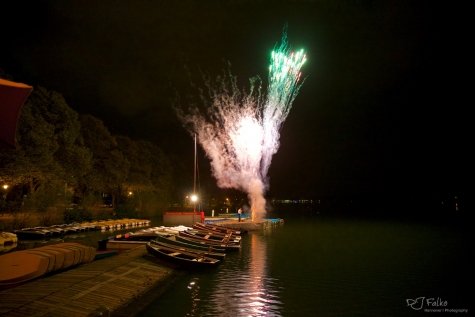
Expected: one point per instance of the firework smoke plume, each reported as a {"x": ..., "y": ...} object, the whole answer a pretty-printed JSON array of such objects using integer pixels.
[{"x": 240, "y": 129}]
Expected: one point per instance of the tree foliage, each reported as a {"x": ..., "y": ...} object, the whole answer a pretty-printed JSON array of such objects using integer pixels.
[{"x": 61, "y": 152}]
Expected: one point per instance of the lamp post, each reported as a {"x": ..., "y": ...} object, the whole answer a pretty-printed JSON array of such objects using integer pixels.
[
  {"x": 194, "y": 200},
  {"x": 5, "y": 189}
]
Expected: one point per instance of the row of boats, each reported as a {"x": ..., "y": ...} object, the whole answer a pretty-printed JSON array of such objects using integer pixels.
[
  {"x": 37, "y": 233},
  {"x": 202, "y": 245},
  {"x": 22, "y": 266}
]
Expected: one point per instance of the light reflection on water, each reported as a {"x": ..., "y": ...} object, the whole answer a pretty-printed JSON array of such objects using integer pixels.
[
  {"x": 329, "y": 267},
  {"x": 241, "y": 286},
  {"x": 247, "y": 290}
]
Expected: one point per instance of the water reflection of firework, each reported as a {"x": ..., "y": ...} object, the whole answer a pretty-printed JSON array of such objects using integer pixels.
[{"x": 240, "y": 131}]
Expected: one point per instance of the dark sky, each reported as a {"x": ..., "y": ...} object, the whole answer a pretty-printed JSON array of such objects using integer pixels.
[{"x": 381, "y": 111}]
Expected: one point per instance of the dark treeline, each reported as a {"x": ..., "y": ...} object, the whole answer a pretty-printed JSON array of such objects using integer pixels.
[{"x": 70, "y": 164}]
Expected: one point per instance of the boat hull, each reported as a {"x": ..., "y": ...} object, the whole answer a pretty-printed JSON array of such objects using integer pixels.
[
  {"x": 215, "y": 255},
  {"x": 224, "y": 246},
  {"x": 180, "y": 257},
  {"x": 228, "y": 240},
  {"x": 173, "y": 240},
  {"x": 218, "y": 228}
]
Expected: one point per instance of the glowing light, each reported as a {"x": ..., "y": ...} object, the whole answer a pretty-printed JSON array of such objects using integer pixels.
[
  {"x": 240, "y": 131},
  {"x": 194, "y": 198},
  {"x": 5, "y": 186},
  {"x": 247, "y": 140}
]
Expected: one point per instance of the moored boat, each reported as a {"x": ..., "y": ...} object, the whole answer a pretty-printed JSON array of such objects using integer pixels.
[
  {"x": 206, "y": 236},
  {"x": 39, "y": 233},
  {"x": 124, "y": 245},
  {"x": 216, "y": 235},
  {"x": 211, "y": 254},
  {"x": 56, "y": 231},
  {"x": 218, "y": 228},
  {"x": 180, "y": 257},
  {"x": 130, "y": 236},
  {"x": 18, "y": 268},
  {"x": 31, "y": 233},
  {"x": 22, "y": 266},
  {"x": 8, "y": 238},
  {"x": 202, "y": 242},
  {"x": 172, "y": 239}
]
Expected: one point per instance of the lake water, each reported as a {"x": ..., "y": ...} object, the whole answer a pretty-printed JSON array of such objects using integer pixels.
[{"x": 314, "y": 266}]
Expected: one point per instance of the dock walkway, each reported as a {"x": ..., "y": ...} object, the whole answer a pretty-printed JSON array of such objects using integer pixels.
[
  {"x": 95, "y": 289},
  {"x": 245, "y": 224}
]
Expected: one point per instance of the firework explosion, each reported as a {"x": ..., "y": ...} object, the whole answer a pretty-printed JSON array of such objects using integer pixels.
[{"x": 240, "y": 131}]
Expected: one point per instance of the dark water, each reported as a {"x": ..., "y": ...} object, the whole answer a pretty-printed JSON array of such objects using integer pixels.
[{"x": 331, "y": 267}]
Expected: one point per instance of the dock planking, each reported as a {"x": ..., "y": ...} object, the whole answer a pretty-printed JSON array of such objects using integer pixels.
[{"x": 103, "y": 285}]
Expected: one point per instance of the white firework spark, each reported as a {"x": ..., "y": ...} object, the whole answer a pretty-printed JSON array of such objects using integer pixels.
[{"x": 240, "y": 132}]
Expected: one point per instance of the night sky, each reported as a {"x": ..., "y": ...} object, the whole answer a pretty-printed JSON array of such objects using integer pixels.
[{"x": 381, "y": 111}]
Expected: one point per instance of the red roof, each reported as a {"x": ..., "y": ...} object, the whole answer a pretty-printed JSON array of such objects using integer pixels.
[{"x": 12, "y": 97}]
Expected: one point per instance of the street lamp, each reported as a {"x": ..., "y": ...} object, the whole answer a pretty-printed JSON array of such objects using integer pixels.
[
  {"x": 194, "y": 200},
  {"x": 5, "y": 188}
]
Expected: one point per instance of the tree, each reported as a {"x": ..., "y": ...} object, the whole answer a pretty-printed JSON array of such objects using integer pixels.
[
  {"x": 162, "y": 173},
  {"x": 110, "y": 167},
  {"x": 140, "y": 170},
  {"x": 150, "y": 174},
  {"x": 33, "y": 160},
  {"x": 50, "y": 148}
]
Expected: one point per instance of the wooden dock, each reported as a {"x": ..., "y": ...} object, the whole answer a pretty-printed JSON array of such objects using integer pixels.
[
  {"x": 244, "y": 224},
  {"x": 95, "y": 289}
]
